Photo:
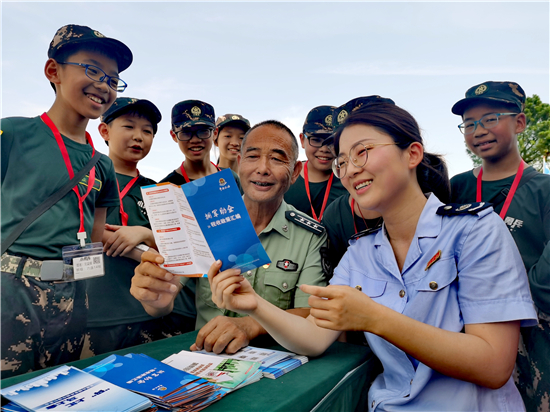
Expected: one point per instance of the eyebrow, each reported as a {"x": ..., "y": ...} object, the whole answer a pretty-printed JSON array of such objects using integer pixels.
[
  {"x": 485, "y": 114},
  {"x": 98, "y": 64}
]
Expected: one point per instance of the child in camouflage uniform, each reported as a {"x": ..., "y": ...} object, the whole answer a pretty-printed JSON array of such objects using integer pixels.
[{"x": 43, "y": 320}]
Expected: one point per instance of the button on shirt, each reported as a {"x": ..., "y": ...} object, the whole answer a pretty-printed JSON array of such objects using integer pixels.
[
  {"x": 479, "y": 277},
  {"x": 282, "y": 240}
]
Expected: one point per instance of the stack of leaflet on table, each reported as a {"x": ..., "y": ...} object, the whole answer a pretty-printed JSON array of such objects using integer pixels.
[
  {"x": 228, "y": 373},
  {"x": 274, "y": 362},
  {"x": 166, "y": 386},
  {"x": 68, "y": 388}
]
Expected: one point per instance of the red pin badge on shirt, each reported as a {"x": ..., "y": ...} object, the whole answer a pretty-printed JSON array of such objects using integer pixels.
[{"x": 434, "y": 259}]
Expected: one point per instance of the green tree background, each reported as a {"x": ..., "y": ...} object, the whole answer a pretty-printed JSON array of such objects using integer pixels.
[{"x": 534, "y": 141}]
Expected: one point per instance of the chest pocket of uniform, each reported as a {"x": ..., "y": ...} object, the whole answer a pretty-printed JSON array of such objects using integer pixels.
[
  {"x": 280, "y": 287},
  {"x": 374, "y": 288},
  {"x": 438, "y": 276}
]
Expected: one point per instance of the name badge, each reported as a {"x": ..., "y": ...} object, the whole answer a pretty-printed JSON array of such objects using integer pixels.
[{"x": 86, "y": 262}]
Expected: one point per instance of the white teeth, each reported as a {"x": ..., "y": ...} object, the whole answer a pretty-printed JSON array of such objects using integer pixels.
[
  {"x": 261, "y": 184},
  {"x": 362, "y": 185},
  {"x": 195, "y": 149},
  {"x": 95, "y": 99},
  {"x": 324, "y": 158}
]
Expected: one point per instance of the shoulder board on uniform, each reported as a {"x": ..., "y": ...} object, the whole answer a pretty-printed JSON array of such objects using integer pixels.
[
  {"x": 305, "y": 221},
  {"x": 455, "y": 209},
  {"x": 366, "y": 232}
]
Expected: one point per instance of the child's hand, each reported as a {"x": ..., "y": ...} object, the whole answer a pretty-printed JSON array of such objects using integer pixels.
[
  {"x": 341, "y": 308},
  {"x": 230, "y": 290},
  {"x": 123, "y": 239}
]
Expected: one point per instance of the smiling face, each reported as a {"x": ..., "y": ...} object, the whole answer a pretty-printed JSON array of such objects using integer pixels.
[
  {"x": 229, "y": 141},
  {"x": 77, "y": 92},
  {"x": 195, "y": 149},
  {"x": 266, "y": 166},
  {"x": 386, "y": 173},
  {"x": 319, "y": 158},
  {"x": 497, "y": 142},
  {"x": 130, "y": 137}
]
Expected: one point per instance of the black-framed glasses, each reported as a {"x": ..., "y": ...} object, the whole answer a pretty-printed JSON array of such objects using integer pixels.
[
  {"x": 358, "y": 155},
  {"x": 184, "y": 135},
  {"x": 316, "y": 140},
  {"x": 487, "y": 122},
  {"x": 98, "y": 75}
]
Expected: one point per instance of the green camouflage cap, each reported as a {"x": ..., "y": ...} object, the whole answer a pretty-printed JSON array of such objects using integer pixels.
[
  {"x": 123, "y": 105},
  {"x": 319, "y": 121},
  {"x": 232, "y": 119},
  {"x": 339, "y": 114},
  {"x": 192, "y": 113},
  {"x": 72, "y": 34},
  {"x": 491, "y": 92}
]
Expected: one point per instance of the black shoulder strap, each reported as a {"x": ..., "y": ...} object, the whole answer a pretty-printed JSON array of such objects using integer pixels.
[
  {"x": 501, "y": 197},
  {"x": 49, "y": 202}
]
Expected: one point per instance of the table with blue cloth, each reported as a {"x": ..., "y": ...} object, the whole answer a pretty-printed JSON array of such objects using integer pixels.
[{"x": 337, "y": 380}]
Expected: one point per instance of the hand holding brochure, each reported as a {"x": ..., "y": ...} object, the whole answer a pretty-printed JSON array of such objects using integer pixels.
[{"x": 200, "y": 222}]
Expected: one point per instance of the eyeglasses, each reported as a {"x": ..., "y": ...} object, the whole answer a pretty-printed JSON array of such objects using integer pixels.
[
  {"x": 184, "y": 135},
  {"x": 316, "y": 140},
  {"x": 358, "y": 155},
  {"x": 487, "y": 122},
  {"x": 98, "y": 75}
]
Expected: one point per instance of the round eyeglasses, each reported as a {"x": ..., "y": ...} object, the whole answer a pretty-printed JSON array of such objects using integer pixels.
[
  {"x": 184, "y": 135},
  {"x": 487, "y": 122},
  {"x": 316, "y": 140},
  {"x": 98, "y": 75},
  {"x": 358, "y": 155}
]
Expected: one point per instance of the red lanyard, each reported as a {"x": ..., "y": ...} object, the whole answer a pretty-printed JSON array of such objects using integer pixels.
[
  {"x": 511, "y": 193},
  {"x": 123, "y": 214},
  {"x": 81, "y": 235},
  {"x": 327, "y": 192},
  {"x": 184, "y": 174}
]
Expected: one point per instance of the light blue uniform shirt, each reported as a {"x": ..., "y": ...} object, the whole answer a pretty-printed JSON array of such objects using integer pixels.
[{"x": 479, "y": 278}]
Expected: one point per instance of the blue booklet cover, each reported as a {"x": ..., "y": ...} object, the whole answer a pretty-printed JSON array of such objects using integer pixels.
[
  {"x": 68, "y": 388},
  {"x": 203, "y": 221}
]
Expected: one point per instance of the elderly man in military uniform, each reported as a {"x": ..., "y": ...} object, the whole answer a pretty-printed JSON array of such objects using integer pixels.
[{"x": 268, "y": 165}]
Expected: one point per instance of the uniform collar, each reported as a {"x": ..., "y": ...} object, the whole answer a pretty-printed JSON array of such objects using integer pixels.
[
  {"x": 429, "y": 223},
  {"x": 279, "y": 222}
]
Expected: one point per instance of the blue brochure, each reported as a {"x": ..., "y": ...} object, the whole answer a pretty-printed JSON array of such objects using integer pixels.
[
  {"x": 200, "y": 222},
  {"x": 68, "y": 388}
]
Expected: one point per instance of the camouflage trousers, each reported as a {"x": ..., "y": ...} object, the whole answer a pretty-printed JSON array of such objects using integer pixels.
[
  {"x": 100, "y": 340},
  {"x": 42, "y": 322},
  {"x": 532, "y": 374}
]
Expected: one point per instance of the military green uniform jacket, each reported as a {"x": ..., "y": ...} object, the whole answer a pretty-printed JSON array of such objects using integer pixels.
[
  {"x": 297, "y": 195},
  {"x": 295, "y": 260},
  {"x": 110, "y": 301},
  {"x": 528, "y": 219},
  {"x": 32, "y": 170}
]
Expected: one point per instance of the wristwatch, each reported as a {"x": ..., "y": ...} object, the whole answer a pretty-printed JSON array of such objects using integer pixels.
[{"x": 143, "y": 247}]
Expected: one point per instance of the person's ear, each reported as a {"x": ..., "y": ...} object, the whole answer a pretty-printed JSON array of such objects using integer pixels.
[
  {"x": 521, "y": 123},
  {"x": 416, "y": 154},
  {"x": 51, "y": 70},
  {"x": 174, "y": 138},
  {"x": 296, "y": 171},
  {"x": 216, "y": 133},
  {"x": 302, "y": 140},
  {"x": 104, "y": 131}
]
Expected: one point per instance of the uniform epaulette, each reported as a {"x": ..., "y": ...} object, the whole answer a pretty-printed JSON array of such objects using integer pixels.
[
  {"x": 305, "y": 221},
  {"x": 454, "y": 209},
  {"x": 366, "y": 232}
]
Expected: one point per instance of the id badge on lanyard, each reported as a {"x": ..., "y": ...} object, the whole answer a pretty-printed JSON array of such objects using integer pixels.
[{"x": 83, "y": 260}]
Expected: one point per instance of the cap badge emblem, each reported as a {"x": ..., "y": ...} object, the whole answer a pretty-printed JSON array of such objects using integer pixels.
[
  {"x": 480, "y": 90},
  {"x": 234, "y": 117},
  {"x": 328, "y": 120},
  {"x": 342, "y": 115},
  {"x": 98, "y": 34},
  {"x": 132, "y": 101},
  {"x": 196, "y": 111}
]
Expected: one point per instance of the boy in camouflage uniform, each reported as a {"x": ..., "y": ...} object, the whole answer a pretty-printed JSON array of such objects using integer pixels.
[{"x": 44, "y": 316}]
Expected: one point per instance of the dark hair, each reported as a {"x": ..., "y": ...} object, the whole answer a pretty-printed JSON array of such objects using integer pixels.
[
  {"x": 63, "y": 54},
  {"x": 278, "y": 125},
  {"x": 402, "y": 127},
  {"x": 509, "y": 107}
]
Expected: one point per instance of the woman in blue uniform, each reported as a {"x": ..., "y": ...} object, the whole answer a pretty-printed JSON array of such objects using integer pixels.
[{"x": 440, "y": 291}]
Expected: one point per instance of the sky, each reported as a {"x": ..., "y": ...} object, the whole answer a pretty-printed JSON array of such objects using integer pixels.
[{"x": 279, "y": 60}]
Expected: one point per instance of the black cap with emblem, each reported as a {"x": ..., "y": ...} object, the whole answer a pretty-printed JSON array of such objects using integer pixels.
[{"x": 509, "y": 93}]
